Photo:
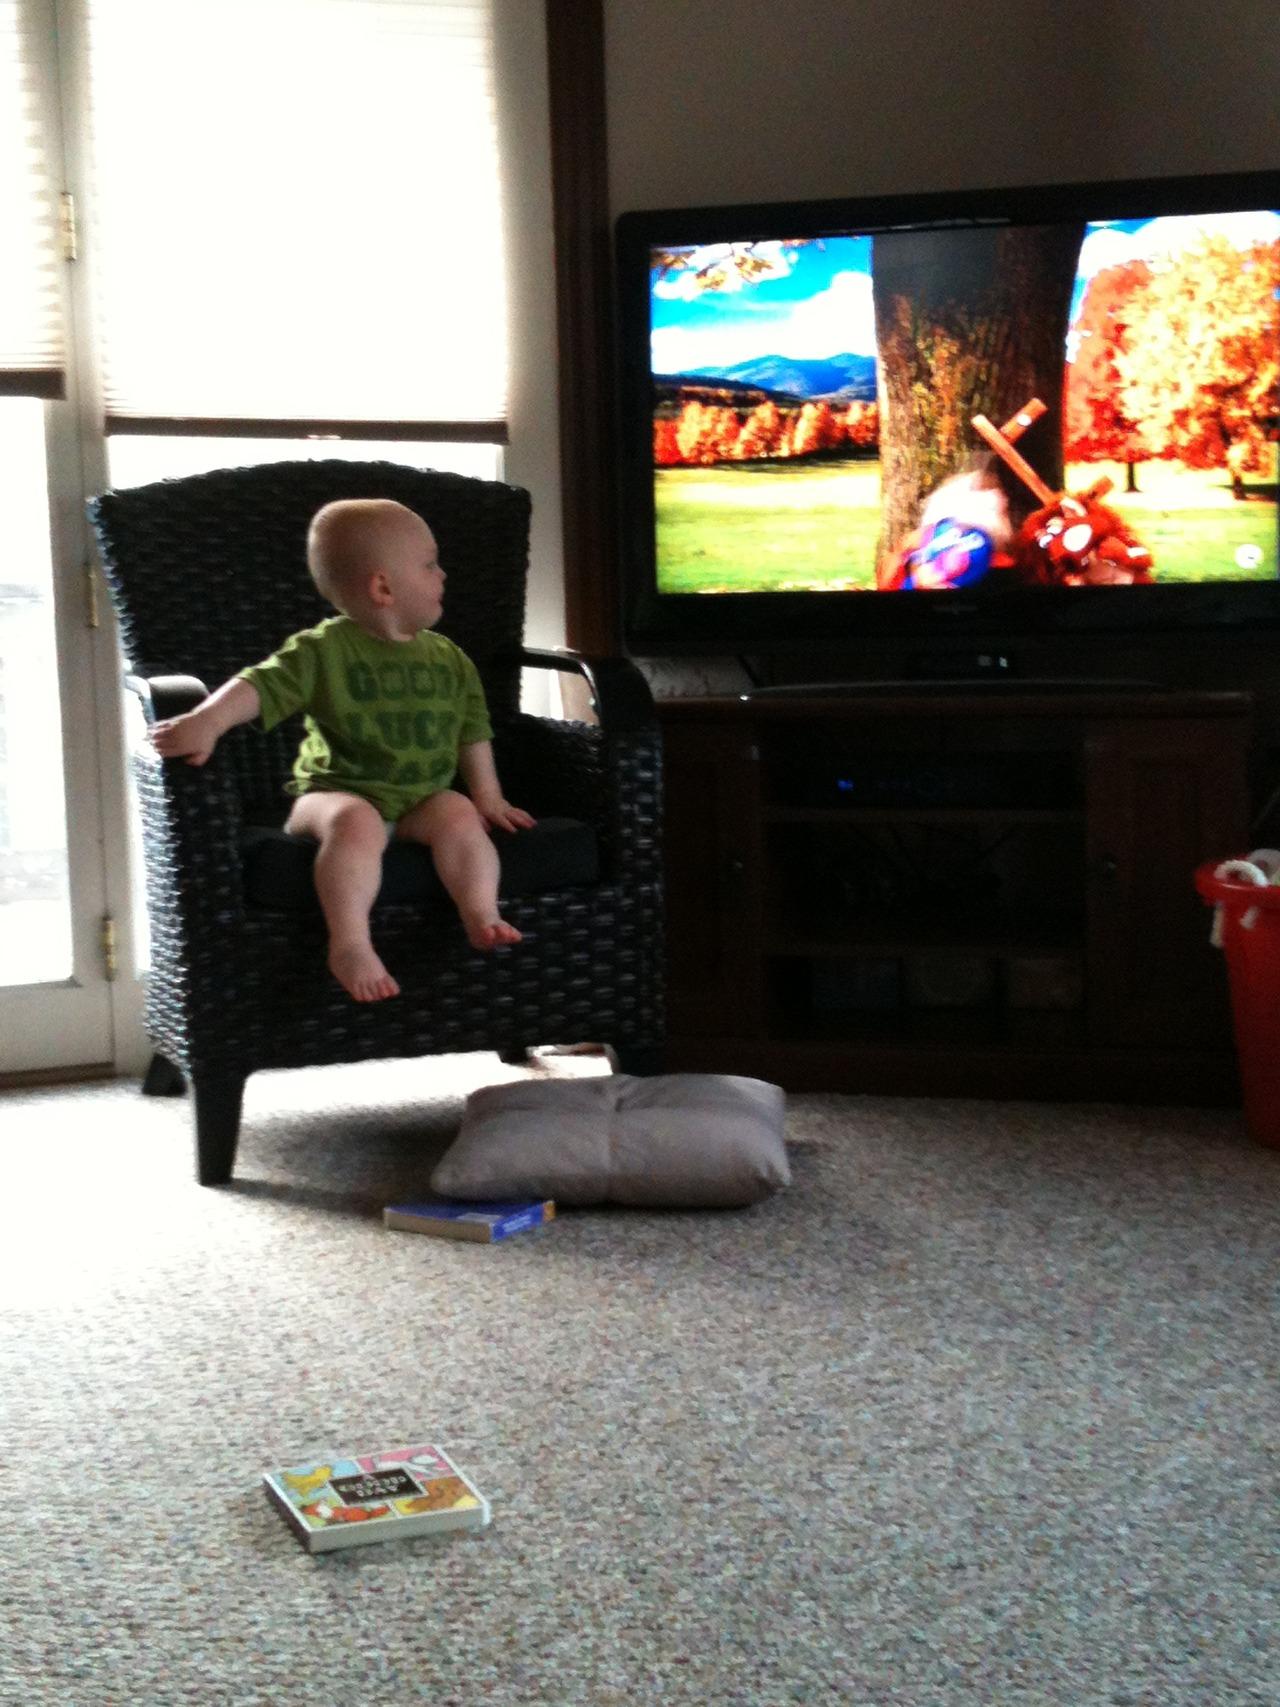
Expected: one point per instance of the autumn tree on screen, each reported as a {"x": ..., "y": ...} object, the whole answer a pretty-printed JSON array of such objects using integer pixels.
[
  {"x": 817, "y": 428},
  {"x": 761, "y": 431},
  {"x": 862, "y": 425},
  {"x": 1097, "y": 427},
  {"x": 1199, "y": 366},
  {"x": 666, "y": 442},
  {"x": 702, "y": 434}
]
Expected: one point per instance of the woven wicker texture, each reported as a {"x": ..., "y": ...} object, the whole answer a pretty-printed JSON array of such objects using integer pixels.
[{"x": 207, "y": 574}]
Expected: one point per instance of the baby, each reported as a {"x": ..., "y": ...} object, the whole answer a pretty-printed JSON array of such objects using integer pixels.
[{"x": 393, "y": 713}]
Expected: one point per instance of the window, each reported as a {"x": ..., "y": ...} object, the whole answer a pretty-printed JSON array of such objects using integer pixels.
[
  {"x": 32, "y": 351},
  {"x": 295, "y": 218},
  {"x": 35, "y": 937}
]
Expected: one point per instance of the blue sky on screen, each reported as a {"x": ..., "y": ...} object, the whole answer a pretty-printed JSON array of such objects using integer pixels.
[{"x": 816, "y": 300}]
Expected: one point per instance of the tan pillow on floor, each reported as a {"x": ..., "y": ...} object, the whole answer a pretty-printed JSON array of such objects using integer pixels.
[{"x": 670, "y": 1141}]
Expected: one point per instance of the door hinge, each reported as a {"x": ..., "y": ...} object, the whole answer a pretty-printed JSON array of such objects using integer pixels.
[
  {"x": 67, "y": 226},
  {"x": 108, "y": 943},
  {"x": 93, "y": 617}
]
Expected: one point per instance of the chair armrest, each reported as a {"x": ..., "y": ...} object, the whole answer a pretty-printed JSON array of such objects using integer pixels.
[
  {"x": 191, "y": 820},
  {"x": 556, "y": 768},
  {"x": 166, "y": 696},
  {"x": 619, "y": 692}
]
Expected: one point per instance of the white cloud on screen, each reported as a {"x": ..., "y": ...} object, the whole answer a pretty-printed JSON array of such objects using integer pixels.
[
  {"x": 1107, "y": 246},
  {"x": 838, "y": 319}
]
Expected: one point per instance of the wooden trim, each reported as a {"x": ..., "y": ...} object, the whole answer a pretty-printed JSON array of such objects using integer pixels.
[
  {"x": 33, "y": 382},
  {"x": 37, "y": 1077},
  {"x": 208, "y": 426},
  {"x": 580, "y": 200}
]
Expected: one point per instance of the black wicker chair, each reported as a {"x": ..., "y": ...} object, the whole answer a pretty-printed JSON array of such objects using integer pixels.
[{"x": 208, "y": 574}]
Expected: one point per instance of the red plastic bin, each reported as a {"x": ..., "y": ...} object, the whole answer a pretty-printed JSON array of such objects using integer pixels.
[{"x": 1252, "y": 949}]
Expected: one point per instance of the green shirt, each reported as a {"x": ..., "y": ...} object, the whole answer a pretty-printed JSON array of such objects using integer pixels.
[{"x": 384, "y": 718}]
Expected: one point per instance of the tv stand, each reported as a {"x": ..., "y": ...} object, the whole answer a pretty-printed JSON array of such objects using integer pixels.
[
  {"x": 960, "y": 666},
  {"x": 959, "y": 686},
  {"x": 932, "y": 888}
]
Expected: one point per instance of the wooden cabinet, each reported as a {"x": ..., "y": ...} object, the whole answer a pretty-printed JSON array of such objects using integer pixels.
[
  {"x": 972, "y": 892},
  {"x": 1161, "y": 796},
  {"x": 712, "y": 834}
]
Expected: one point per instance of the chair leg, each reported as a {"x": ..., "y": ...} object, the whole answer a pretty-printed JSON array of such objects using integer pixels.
[
  {"x": 163, "y": 1079},
  {"x": 218, "y": 1101}
]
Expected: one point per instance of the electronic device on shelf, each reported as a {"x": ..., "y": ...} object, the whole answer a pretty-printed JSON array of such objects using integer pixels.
[
  {"x": 951, "y": 417},
  {"x": 1035, "y": 781}
]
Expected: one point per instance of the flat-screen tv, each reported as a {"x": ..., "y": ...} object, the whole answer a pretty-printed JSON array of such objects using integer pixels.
[{"x": 991, "y": 413}]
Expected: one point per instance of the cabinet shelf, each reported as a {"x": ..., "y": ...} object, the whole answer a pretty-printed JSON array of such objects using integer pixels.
[
  {"x": 992, "y": 815},
  {"x": 907, "y": 939},
  {"x": 842, "y": 938},
  {"x": 939, "y": 1032}
]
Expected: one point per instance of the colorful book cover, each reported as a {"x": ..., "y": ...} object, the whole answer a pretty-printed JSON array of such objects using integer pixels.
[
  {"x": 375, "y": 1496},
  {"x": 484, "y": 1221}
]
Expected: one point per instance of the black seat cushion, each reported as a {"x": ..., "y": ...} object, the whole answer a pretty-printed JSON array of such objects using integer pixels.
[{"x": 556, "y": 854}]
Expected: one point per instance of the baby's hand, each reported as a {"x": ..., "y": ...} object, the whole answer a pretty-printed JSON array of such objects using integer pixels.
[
  {"x": 499, "y": 814},
  {"x": 184, "y": 737}
]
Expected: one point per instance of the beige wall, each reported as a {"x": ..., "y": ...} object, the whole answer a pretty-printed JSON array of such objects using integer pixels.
[
  {"x": 720, "y": 101},
  {"x": 744, "y": 100}
]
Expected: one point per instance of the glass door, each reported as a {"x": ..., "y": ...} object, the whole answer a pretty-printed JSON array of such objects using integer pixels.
[{"x": 57, "y": 953}]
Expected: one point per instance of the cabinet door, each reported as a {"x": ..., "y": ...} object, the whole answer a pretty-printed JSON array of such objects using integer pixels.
[
  {"x": 1161, "y": 796},
  {"x": 712, "y": 839}
]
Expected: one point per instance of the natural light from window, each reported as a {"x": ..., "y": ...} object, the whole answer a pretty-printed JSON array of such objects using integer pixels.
[
  {"x": 136, "y": 458},
  {"x": 35, "y": 916},
  {"x": 294, "y": 210}
]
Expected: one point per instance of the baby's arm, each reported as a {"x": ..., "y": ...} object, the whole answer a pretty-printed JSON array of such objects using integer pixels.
[
  {"x": 475, "y": 763},
  {"x": 194, "y": 735}
]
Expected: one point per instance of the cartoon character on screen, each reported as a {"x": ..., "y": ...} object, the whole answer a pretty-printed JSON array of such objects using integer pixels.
[
  {"x": 975, "y": 526},
  {"x": 1072, "y": 539},
  {"x": 965, "y": 533},
  {"x": 1078, "y": 542}
]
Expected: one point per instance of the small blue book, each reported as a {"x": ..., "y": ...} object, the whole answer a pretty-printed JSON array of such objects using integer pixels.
[{"x": 483, "y": 1221}]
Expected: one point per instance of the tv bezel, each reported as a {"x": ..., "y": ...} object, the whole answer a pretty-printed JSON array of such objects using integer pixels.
[{"x": 670, "y": 624}]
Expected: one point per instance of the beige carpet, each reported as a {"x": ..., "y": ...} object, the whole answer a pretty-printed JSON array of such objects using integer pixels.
[{"x": 984, "y": 1410}]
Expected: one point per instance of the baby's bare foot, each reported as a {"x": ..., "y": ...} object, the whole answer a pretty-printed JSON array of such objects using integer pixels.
[
  {"x": 492, "y": 933},
  {"x": 361, "y": 974}
]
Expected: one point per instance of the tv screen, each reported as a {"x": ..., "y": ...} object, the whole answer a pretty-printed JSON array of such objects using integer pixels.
[{"x": 1009, "y": 406}]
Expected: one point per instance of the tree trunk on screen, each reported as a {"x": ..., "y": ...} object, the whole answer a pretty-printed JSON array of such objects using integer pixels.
[{"x": 967, "y": 322}]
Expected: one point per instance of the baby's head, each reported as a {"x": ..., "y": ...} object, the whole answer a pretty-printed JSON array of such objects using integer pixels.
[
  {"x": 376, "y": 561},
  {"x": 976, "y": 496}
]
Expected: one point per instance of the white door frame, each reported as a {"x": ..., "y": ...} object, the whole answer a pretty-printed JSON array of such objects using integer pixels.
[{"x": 93, "y": 1019}]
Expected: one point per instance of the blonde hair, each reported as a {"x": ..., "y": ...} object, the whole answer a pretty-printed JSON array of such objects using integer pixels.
[{"x": 348, "y": 541}]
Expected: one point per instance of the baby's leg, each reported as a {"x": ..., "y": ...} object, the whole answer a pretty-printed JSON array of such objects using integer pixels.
[
  {"x": 466, "y": 860},
  {"x": 352, "y": 837}
]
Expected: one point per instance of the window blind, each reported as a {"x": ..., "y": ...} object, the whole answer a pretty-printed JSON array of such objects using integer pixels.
[
  {"x": 296, "y": 212},
  {"x": 32, "y": 354}
]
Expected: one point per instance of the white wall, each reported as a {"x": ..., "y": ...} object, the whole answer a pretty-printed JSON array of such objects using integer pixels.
[{"x": 715, "y": 101}]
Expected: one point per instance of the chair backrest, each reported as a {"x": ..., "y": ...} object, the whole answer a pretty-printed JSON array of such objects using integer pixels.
[{"x": 208, "y": 573}]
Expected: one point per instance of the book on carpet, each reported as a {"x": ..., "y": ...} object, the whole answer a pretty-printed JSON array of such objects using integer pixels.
[
  {"x": 375, "y": 1496},
  {"x": 484, "y": 1221}
]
